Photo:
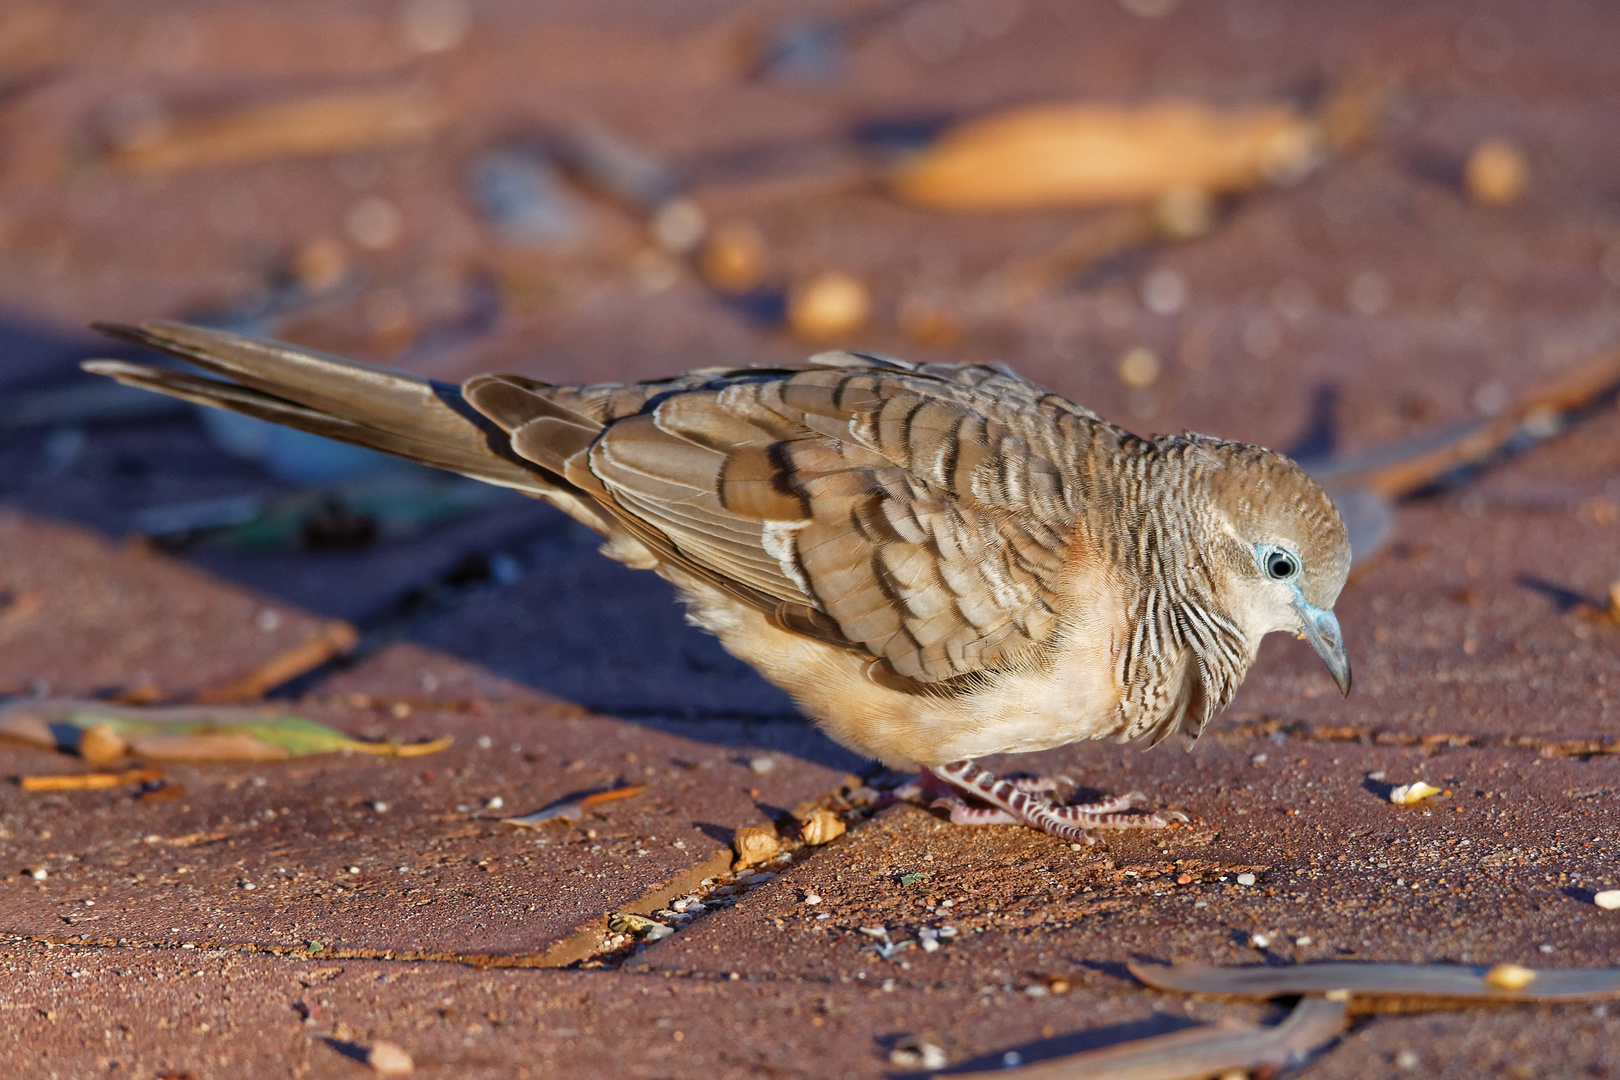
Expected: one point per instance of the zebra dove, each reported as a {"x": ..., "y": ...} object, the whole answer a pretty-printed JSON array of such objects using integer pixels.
[{"x": 937, "y": 561}]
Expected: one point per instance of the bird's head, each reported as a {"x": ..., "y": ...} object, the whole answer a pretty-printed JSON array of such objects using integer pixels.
[{"x": 1282, "y": 549}]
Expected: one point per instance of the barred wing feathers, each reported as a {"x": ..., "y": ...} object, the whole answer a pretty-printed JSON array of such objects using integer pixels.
[{"x": 919, "y": 512}]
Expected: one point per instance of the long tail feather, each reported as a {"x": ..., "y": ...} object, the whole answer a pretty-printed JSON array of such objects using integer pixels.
[{"x": 378, "y": 408}]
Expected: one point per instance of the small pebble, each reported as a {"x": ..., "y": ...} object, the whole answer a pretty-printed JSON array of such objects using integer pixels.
[
  {"x": 812, "y": 898},
  {"x": 39, "y": 873},
  {"x": 679, "y": 225},
  {"x": 1184, "y": 213},
  {"x": 1139, "y": 368},
  {"x": 1245, "y": 879},
  {"x": 762, "y": 764},
  {"x": 495, "y": 804},
  {"x": 733, "y": 260},
  {"x": 913, "y": 1053},
  {"x": 1496, "y": 173},
  {"x": 374, "y": 223},
  {"x": 827, "y": 306},
  {"x": 386, "y": 1059},
  {"x": 1510, "y": 977},
  {"x": 379, "y": 807},
  {"x": 319, "y": 265},
  {"x": 1164, "y": 292},
  {"x": 1608, "y": 900}
]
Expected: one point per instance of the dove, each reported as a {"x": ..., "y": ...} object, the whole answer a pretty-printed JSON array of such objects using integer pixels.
[{"x": 938, "y": 562}]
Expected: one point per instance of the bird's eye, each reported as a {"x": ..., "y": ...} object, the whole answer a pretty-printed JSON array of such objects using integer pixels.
[{"x": 1280, "y": 566}]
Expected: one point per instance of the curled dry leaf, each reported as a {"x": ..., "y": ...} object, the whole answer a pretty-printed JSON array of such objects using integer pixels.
[
  {"x": 1077, "y": 155},
  {"x": 1212, "y": 1050},
  {"x": 1401, "y": 981},
  {"x": 822, "y": 826},
  {"x": 754, "y": 845}
]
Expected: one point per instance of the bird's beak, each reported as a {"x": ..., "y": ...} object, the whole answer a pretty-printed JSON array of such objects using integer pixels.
[{"x": 1321, "y": 629}]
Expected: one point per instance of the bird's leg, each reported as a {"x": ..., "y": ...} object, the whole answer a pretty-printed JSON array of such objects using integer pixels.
[{"x": 1008, "y": 803}]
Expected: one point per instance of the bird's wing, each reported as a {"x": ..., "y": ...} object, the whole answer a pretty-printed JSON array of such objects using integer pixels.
[{"x": 918, "y": 512}]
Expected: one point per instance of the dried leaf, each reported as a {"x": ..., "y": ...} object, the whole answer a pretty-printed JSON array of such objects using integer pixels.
[
  {"x": 571, "y": 810},
  {"x": 754, "y": 845},
  {"x": 1434, "y": 981},
  {"x": 190, "y": 733},
  {"x": 299, "y": 127},
  {"x": 1212, "y": 1050},
  {"x": 821, "y": 827},
  {"x": 1076, "y": 155}
]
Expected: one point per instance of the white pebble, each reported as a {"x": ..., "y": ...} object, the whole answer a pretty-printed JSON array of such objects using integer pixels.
[
  {"x": 930, "y": 944},
  {"x": 811, "y": 898},
  {"x": 495, "y": 804},
  {"x": 762, "y": 765},
  {"x": 1608, "y": 900},
  {"x": 1245, "y": 879},
  {"x": 39, "y": 873}
]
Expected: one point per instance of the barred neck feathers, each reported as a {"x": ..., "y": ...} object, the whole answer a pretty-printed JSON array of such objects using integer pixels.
[{"x": 1186, "y": 653}]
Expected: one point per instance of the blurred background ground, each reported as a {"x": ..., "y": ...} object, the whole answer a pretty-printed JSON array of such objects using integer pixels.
[{"x": 581, "y": 192}]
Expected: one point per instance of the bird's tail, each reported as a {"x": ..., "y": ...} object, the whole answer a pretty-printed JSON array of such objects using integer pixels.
[{"x": 379, "y": 408}]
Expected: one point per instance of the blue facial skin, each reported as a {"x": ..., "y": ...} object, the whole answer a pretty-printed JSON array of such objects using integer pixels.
[{"x": 1318, "y": 626}]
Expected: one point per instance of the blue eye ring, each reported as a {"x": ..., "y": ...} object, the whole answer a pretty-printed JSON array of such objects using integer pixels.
[{"x": 1279, "y": 565}]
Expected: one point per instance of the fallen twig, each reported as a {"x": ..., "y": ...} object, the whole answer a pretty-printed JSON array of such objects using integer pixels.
[
  {"x": 1454, "y": 982},
  {"x": 88, "y": 781},
  {"x": 334, "y": 639},
  {"x": 1212, "y": 1050}
]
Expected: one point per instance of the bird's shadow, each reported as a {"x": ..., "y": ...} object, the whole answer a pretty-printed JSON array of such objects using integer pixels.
[{"x": 1076, "y": 1042}]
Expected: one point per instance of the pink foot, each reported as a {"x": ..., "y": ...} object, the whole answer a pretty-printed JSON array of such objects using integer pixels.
[{"x": 1023, "y": 801}]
